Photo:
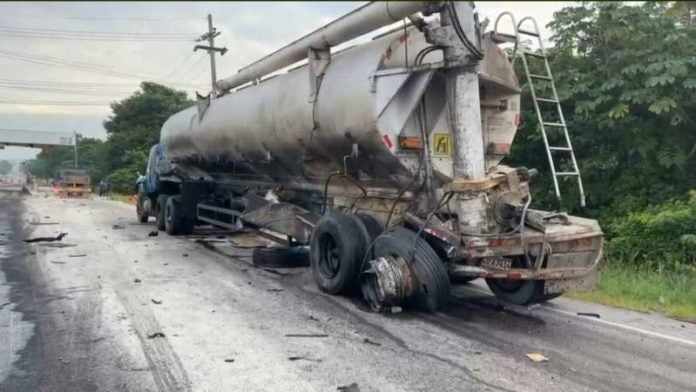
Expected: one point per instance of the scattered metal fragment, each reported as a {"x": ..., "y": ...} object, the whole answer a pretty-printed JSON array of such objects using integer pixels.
[
  {"x": 5, "y": 304},
  {"x": 43, "y": 223},
  {"x": 313, "y": 318},
  {"x": 46, "y": 239},
  {"x": 349, "y": 388},
  {"x": 58, "y": 262},
  {"x": 153, "y": 233},
  {"x": 136, "y": 280},
  {"x": 156, "y": 301},
  {"x": 229, "y": 360},
  {"x": 117, "y": 227},
  {"x": 155, "y": 335},
  {"x": 588, "y": 314},
  {"x": 536, "y": 357},
  {"x": 185, "y": 255},
  {"x": 78, "y": 255},
  {"x": 274, "y": 290},
  {"x": 368, "y": 341},
  {"x": 297, "y": 358},
  {"x": 306, "y": 335}
]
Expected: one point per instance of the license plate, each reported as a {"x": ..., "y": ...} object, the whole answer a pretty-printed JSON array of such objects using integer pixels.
[{"x": 501, "y": 264}]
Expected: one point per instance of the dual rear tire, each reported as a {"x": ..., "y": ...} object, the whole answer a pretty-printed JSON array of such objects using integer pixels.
[
  {"x": 171, "y": 217},
  {"x": 342, "y": 245}
]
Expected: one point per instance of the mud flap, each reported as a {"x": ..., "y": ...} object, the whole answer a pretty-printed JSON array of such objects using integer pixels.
[{"x": 583, "y": 283}]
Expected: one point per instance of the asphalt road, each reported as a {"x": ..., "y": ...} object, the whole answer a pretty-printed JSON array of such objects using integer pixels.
[{"x": 108, "y": 308}]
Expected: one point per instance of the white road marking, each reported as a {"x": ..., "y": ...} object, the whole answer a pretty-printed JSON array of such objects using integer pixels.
[
  {"x": 627, "y": 327},
  {"x": 606, "y": 322}
]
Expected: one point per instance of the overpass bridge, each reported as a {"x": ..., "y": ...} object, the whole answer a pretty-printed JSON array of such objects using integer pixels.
[{"x": 36, "y": 139}]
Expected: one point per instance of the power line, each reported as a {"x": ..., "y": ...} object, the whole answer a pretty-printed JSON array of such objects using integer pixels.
[
  {"x": 99, "y": 39},
  {"x": 62, "y": 83},
  {"x": 91, "y": 35},
  {"x": 52, "y": 103},
  {"x": 142, "y": 19},
  {"x": 179, "y": 65},
  {"x": 67, "y": 91},
  {"x": 82, "y": 66}
]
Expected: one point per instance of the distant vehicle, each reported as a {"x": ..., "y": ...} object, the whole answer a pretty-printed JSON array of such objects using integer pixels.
[{"x": 73, "y": 182}]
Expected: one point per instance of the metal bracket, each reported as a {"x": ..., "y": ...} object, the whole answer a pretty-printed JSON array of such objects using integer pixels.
[
  {"x": 318, "y": 60},
  {"x": 202, "y": 103}
]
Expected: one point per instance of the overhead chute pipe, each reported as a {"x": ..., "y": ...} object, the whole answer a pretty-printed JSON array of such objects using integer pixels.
[{"x": 361, "y": 21}]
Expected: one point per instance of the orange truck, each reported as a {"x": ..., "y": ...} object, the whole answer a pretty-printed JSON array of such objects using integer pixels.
[{"x": 74, "y": 182}]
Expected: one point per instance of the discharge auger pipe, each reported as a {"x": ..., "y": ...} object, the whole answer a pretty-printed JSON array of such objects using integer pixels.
[{"x": 361, "y": 21}]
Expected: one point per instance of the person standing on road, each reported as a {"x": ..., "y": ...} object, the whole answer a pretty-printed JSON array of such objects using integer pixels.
[{"x": 102, "y": 187}]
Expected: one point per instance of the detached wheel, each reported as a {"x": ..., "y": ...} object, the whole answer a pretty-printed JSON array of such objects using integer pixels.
[
  {"x": 432, "y": 280},
  {"x": 281, "y": 257},
  {"x": 161, "y": 203},
  {"x": 143, "y": 214},
  {"x": 336, "y": 252},
  {"x": 173, "y": 221}
]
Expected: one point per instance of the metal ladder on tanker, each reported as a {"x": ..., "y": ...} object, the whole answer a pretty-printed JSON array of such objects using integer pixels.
[{"x": 524, "y": 53}]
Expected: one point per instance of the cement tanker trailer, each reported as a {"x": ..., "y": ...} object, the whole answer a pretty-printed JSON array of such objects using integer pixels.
[{"x": 380, "y": 163}]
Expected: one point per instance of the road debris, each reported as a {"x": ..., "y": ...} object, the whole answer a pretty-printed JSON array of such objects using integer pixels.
[
  {"x": 185, "y": 255},
  {"x": 588, "y": 314},
  {"x": 155, "y": 335},
  {"x": 136, "y": 280},
  {"x": 156, "y": 301},
  {"x": 297, "y": 358},
  {"x": 368, "y": 341},
  {"x": 58, "y": 262},
  {"x": 46, "y": 239},
  {"x": 43, "y": 223},
  {"x": 307, "y": 335},
  {"x": 536, "y": 357},
  {"x": 78, "y": 255},
  {"x": 349, "y": 388},
  {"x": 153, "y": 233},
  {"x": 117, "y": 227},
  {"x": 274, "y": 290},
  {"x": 229, "y": 360}
]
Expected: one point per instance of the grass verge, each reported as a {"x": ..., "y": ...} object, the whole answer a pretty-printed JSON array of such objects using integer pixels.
[{"x": 671, "y": 293}]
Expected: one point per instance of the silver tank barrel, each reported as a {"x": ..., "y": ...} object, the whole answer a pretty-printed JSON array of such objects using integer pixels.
[{"x": 361, "y": 21}]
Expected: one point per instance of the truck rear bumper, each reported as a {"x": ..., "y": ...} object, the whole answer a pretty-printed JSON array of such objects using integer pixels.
[{"x": 565, "y": 255}]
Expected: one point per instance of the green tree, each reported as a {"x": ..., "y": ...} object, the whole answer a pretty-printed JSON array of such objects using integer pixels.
[
  {"x": 135, "y": 126},
  {"x": 626, "y": 79},
  {"x": 5, "y": 167}
]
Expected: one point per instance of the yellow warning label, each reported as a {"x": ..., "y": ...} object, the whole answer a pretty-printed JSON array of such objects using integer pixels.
[{"x": 442, "y": 144}]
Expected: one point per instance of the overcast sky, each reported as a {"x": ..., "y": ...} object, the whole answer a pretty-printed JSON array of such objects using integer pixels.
[{"x": 62, "y": 63}]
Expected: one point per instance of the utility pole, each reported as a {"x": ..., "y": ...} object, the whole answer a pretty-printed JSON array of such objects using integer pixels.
[
  {"x": 211, "y": 49},
  {"x": 76, "y": 136}
]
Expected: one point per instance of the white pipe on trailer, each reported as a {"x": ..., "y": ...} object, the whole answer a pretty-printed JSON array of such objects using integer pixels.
[{"x": 361, "y": 21}]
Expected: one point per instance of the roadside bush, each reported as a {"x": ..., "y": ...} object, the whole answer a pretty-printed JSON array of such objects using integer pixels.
[
  {"x": 661, "y": 237},
  {"x": 123, "y": 180}
]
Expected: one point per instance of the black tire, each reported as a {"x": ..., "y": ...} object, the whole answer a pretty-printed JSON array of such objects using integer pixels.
[
  {"x": 371, "y": 229},
  {"x": 161, "y": 202},
  {"x": 336, "y": 252},
  {"x": 520, "y": 292},
  {"x": 143, "y": 215},
  {"x": 281, "y": 257},
  {"x": 173, "y": 221},
  {"x": 431, "y": 275}
]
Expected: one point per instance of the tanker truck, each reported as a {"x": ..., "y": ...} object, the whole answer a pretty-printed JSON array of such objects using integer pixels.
[{"x": 380, "y": 162}]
